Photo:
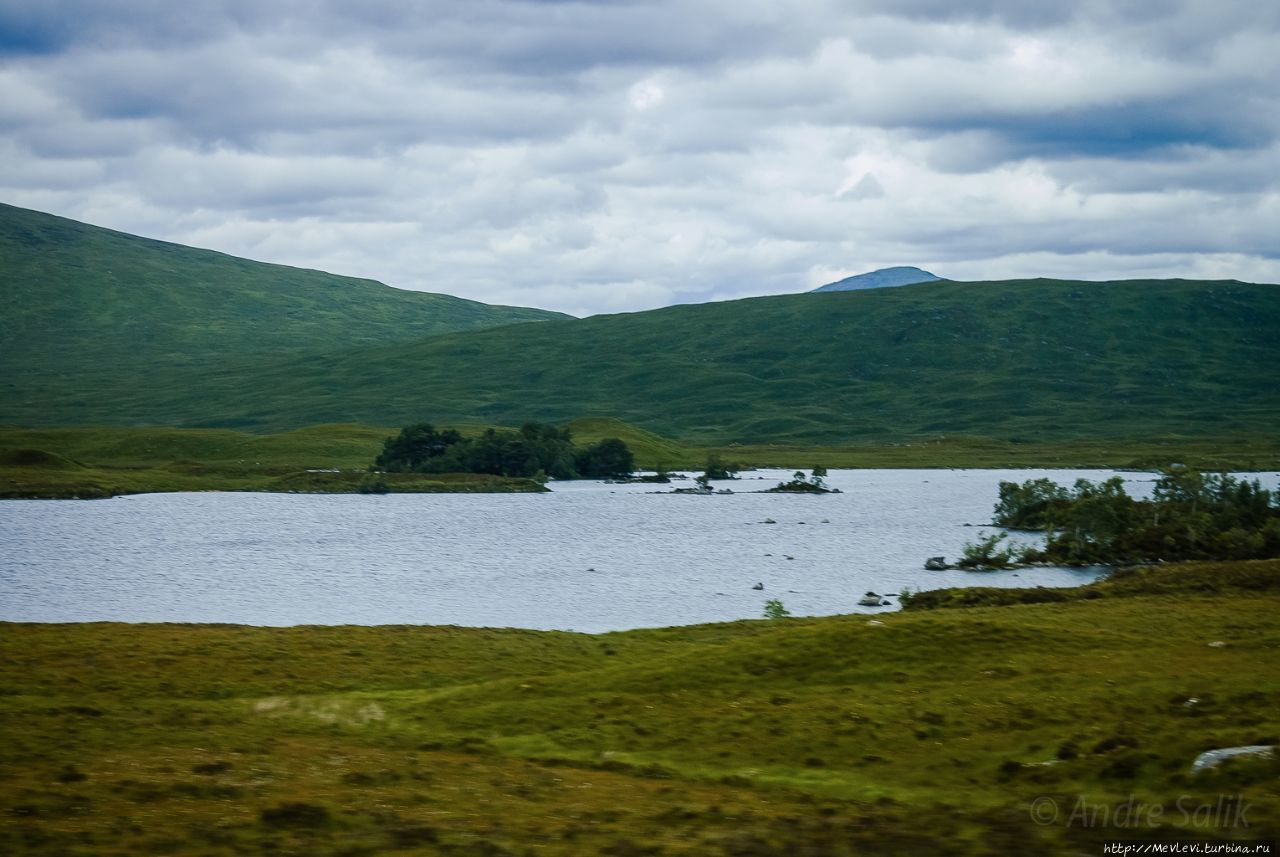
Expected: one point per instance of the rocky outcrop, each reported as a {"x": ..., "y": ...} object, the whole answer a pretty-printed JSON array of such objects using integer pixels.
[{"x": 1212, "y": 758}]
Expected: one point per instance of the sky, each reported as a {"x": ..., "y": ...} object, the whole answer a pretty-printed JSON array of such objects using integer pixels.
[{"x": 617, "y": 156}]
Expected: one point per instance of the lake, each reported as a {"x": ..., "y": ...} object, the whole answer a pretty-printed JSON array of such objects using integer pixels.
[{"x": 589, "y": 556}]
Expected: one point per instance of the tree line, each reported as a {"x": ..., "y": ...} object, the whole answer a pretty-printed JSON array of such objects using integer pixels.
[
  {"x": 1190, "y": 515},
  {"x": 535, "y": 449}
]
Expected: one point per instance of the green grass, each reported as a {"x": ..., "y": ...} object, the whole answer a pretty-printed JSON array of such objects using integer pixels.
[
  {"x": 1148, "y": 453},
  {"x": 651, "y": 450},
  {"x": 103, "y": 461},
  {"x": 106, "y": 461},
  {"x": 919, "y": 732},
  {"x": 341, "y": 446},
  {"x": 1188, "y": 579}
]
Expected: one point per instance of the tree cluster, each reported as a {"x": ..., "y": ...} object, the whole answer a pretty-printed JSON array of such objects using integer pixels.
[
  {"x": 717, "y": 468},
  {"x": 1191, "y": 515},
  {"x": 800, "y": 485},
  {"x": 986, "y": 554},
  {"x": 536, "y": 448}
]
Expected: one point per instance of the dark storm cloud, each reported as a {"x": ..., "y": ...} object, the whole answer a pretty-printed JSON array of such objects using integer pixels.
[{"x": 597, "y": 156}]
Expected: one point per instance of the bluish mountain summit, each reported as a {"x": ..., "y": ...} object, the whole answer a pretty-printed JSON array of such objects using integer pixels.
[{"x": 900, "y": 276}]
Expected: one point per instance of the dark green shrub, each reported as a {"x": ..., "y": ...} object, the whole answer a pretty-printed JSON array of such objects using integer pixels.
[
  {"x": 301, "y": 815},
  {"x": 984, "y": 554}
]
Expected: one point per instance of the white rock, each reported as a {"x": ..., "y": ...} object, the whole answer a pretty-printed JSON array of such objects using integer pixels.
[{"x": 1213, "y": 758}]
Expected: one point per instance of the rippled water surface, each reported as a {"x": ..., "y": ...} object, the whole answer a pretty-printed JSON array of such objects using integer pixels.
[{"x": 588, "y": 556}]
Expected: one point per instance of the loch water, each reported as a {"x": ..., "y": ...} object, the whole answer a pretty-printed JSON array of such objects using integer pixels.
[{"x": 588, "y": 556}]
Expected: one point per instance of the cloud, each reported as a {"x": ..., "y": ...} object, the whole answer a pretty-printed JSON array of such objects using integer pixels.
[{"x": 608, "y": 156}]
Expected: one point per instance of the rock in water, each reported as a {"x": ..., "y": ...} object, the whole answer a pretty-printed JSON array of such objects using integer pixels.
[{"x": 936, "y": 563}]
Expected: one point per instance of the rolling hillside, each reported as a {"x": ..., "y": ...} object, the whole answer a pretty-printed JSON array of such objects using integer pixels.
[
  {"x": 103, "y": 328},
  {"x": 1033, "y": 360},
  {"x": 82, "y": 306}
]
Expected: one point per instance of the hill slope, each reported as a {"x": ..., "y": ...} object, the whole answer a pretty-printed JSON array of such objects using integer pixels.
[
  {"x": 881, "y": 279},
  {"x": 1035, "y": 360},
  {"x": 79, "y": 300}
]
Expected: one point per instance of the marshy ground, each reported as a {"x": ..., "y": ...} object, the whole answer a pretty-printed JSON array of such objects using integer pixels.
[{"x": 928, "y": 731}]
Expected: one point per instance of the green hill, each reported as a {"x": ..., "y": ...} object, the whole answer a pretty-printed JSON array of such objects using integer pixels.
[
  {"x": 98, "y": 327},
  {"x": 82, "y": 306},
  {"x": 1033, "y": 360}
]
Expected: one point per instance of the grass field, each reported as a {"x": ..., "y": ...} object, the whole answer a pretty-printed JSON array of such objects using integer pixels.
[
  {"x": 104, "y": 461},
  {"x": 924, "y": 732}
]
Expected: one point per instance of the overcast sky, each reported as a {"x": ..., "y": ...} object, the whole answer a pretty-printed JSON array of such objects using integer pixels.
[{"x": 601, "y": 157}]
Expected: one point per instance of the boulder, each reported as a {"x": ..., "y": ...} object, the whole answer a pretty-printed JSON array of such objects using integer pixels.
[{"x": 1212, "y": 758}]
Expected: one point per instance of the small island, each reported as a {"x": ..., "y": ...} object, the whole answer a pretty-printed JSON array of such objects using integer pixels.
[{"x": 799, "y": 484}]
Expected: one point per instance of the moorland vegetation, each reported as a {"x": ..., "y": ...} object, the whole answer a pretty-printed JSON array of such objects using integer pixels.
[
  {"x": 171, "y": 336},
  {"x": 930, "y": 731}
]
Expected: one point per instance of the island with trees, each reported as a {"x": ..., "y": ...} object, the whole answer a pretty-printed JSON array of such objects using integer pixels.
[
  {"x": 1190, "y": 516},
  {"x": 536, "y": 450}
]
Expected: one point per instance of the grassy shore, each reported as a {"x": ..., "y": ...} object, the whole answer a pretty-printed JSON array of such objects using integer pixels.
[
  {"x": 102, "y": 461},
  {"x": 933, "y": 731}
]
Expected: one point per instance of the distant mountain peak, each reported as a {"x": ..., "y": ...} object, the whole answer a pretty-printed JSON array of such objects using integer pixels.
[{"x": 903, "y": 275}]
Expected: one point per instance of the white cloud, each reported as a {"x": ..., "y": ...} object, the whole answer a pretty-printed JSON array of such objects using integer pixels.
[
  {"x": 646, "y": 95},
  {"x": 609, "y": 157}
]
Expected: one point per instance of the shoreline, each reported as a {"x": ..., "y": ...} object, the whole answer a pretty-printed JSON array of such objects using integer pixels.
[
  {"x": 104, "y": 483},
  {"x": 103, "y": 461}
]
